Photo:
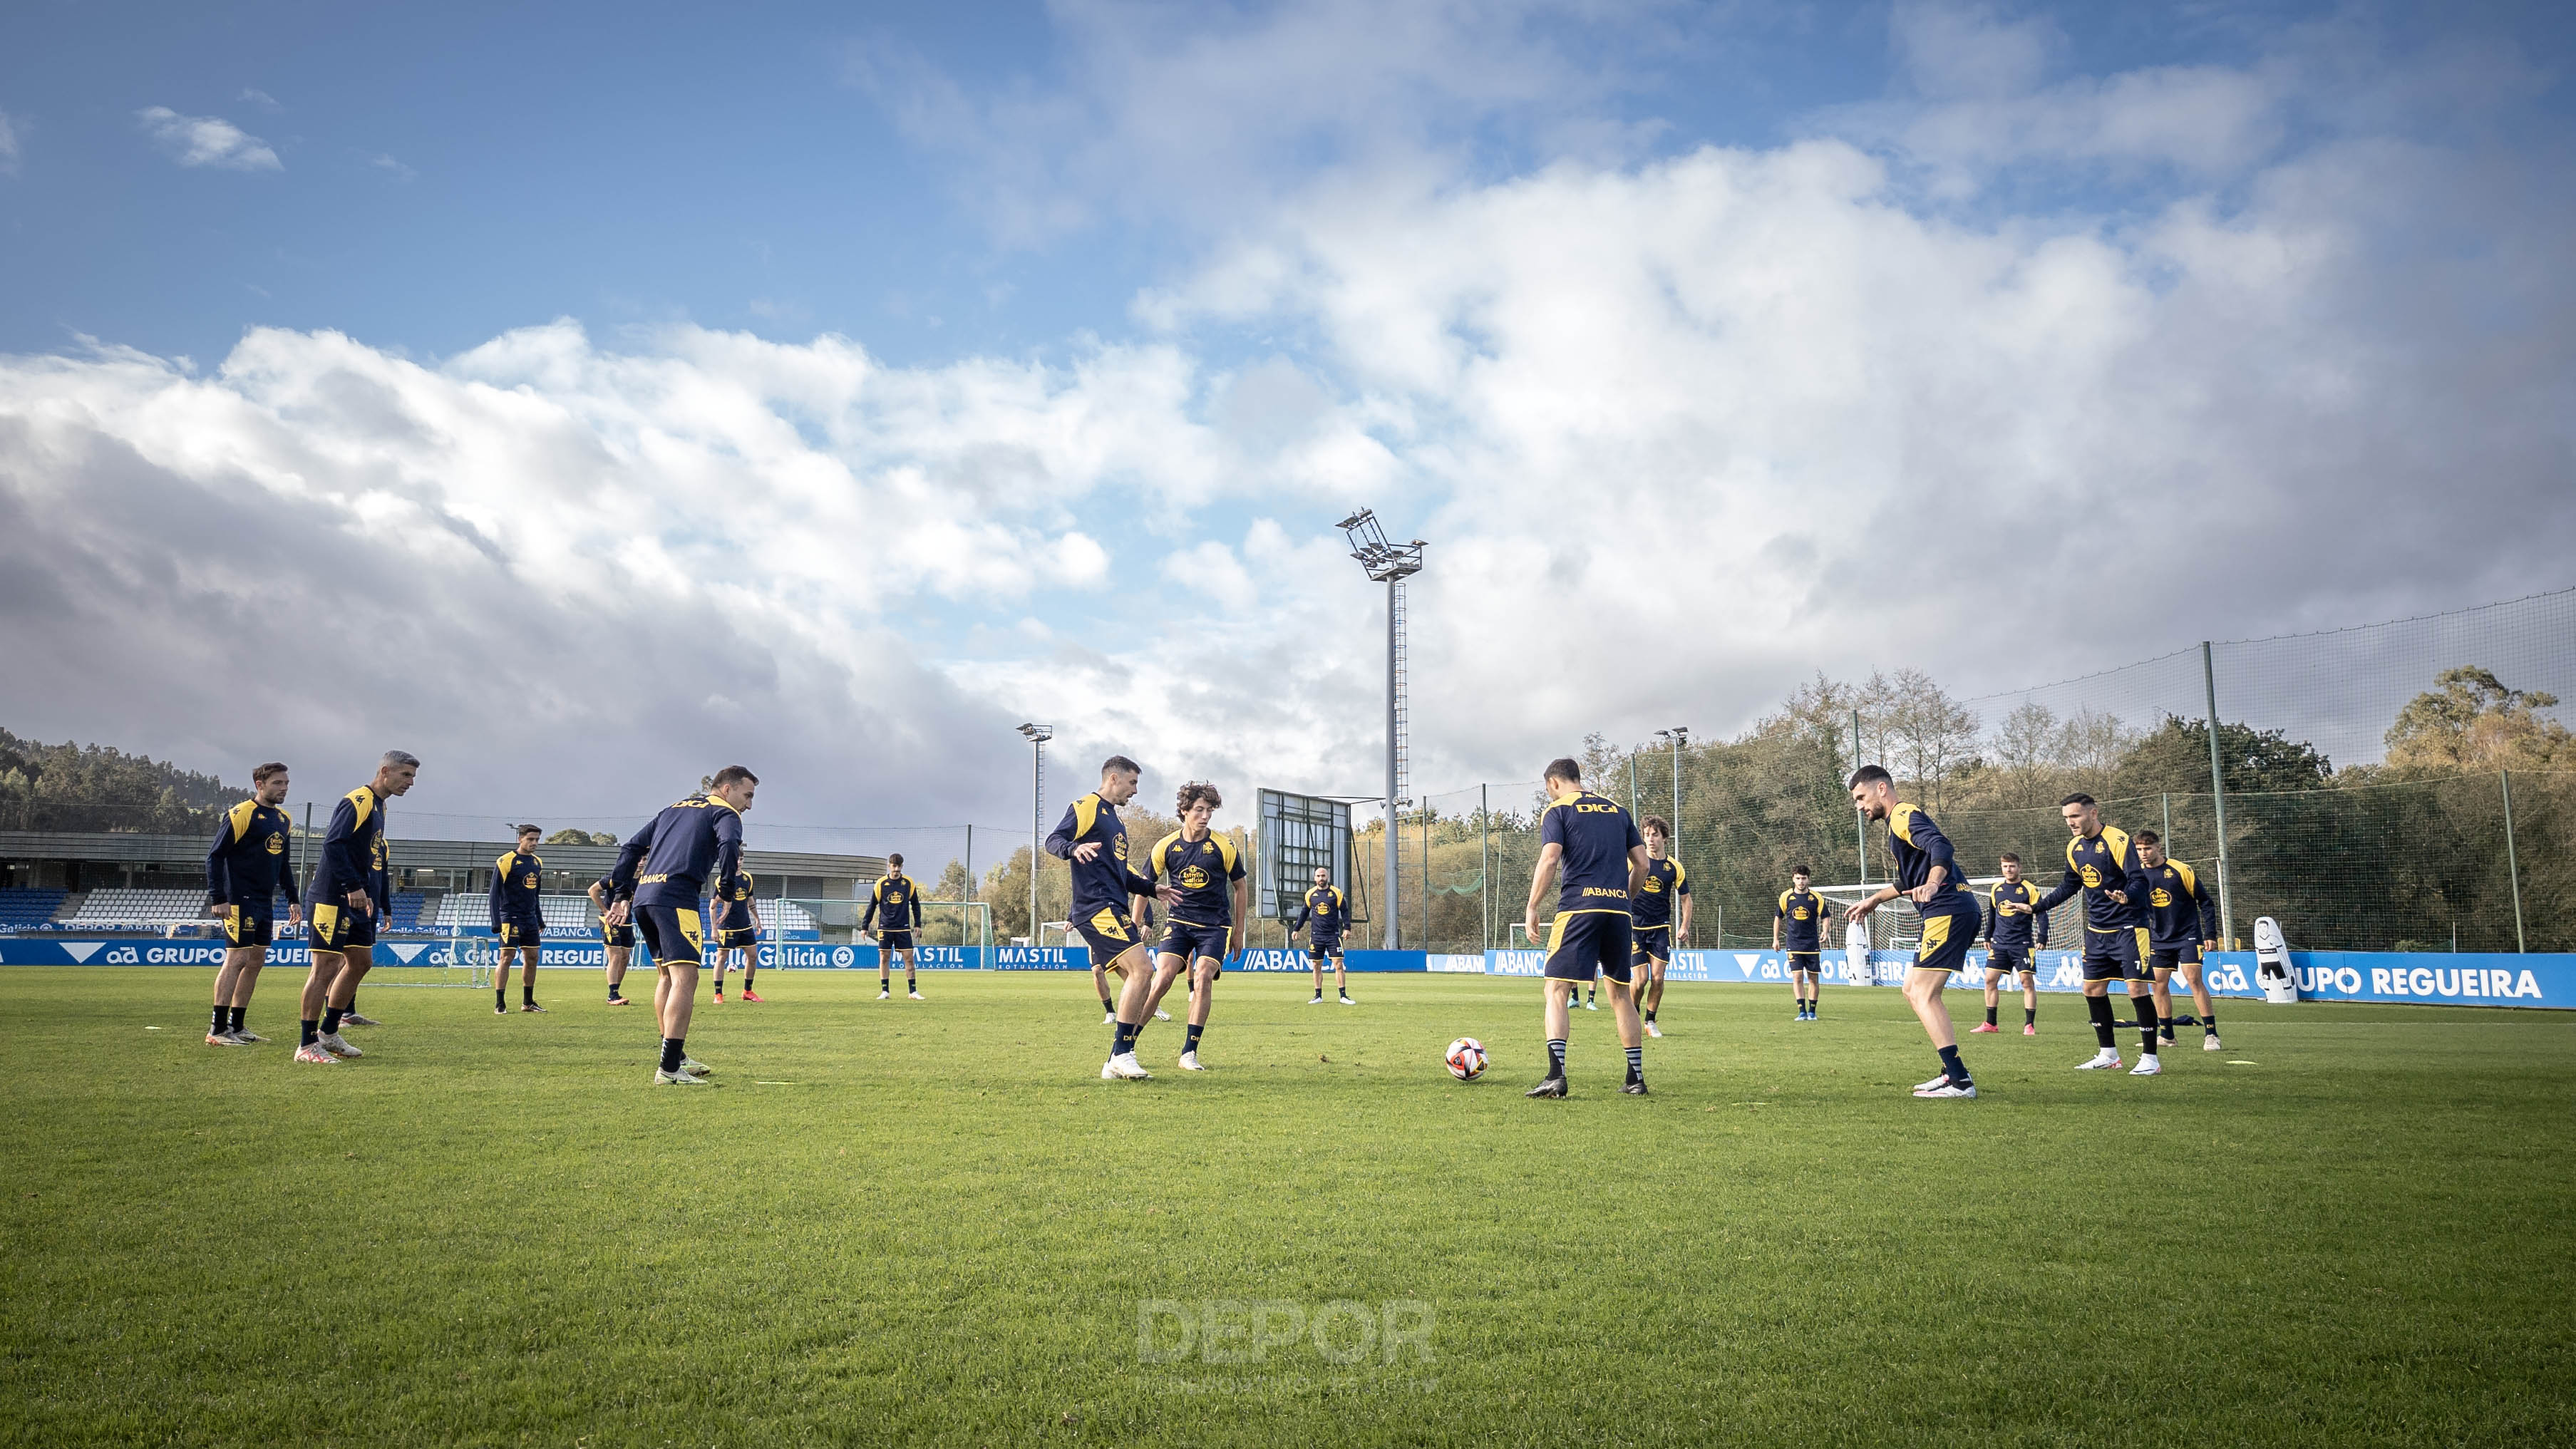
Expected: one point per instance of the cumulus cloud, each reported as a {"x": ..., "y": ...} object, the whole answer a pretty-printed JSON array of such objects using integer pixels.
[{"x": 207, "y": 141}]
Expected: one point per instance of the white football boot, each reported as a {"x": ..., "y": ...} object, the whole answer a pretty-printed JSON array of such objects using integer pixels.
[
  {"x": 2105, "y": 1060},
  {"x": 2209, "y": 1043},
  {"x": 1946, "y": 1088},
  {"x": 677, "y": 1079},
  {"x": 1190, "y": 1062},
  {"x": 338, "y": 1045},
  {"x": 1126, "y": 1066},
  {"x": 2147, "y": 1066}
]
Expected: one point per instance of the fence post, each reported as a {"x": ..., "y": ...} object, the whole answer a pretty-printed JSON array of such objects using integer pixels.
[
  {"x": 1426, "y": 877},
  {"x": 2512, "y": 867},
  {"x": 2218, "y": 794},
  {"x": 972, "y": 893},
  {"x": 1860, "y": 823},
  {"x": 1485, "y": 857}
]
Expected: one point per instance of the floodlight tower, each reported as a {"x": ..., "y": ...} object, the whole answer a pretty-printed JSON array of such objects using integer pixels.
[
  {"x": 1389, "y": 564},
  {"x": 1038, "y": 735}
]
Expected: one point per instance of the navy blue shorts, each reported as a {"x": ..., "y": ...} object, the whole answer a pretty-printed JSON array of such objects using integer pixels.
[
  {"x": 1811, "y": 962},
  {"x": 2186, "y": 954},
  {"x": 338, "y": 928},
  {"x": 1110, "y": 933},
  {"x": 1320, "y": 947},
  {"x": 517, "y": 933},
  {"x": 2118, "y": 954},
  {"x": 621, "y": 936},
  {"x": 1946, "y": 939},
  {"x": 1649, "y": 943},
  {"x": 895, "y": 940},
  {"x": 1582, "y": 944},
  {"x": 1190, "y": 941},
  {"x": 250, "y": 926},
  {"x": 733, "y": 936},
  {"x": 673, "y": 935},
  {"x": 2008, "y": 960}
]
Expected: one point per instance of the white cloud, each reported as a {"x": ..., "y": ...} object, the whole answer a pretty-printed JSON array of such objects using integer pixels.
[
  {"x": 260, "y": 98},
  {"x": 399, "y": 171},
  {"x": 9, "y": 150},
  {"x": 207, "y": 141}
]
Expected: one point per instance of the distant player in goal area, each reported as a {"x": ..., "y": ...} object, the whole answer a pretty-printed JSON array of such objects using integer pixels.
[
  {"x": 894, "y": 913},
  {"x": 1323, "y": 915}
]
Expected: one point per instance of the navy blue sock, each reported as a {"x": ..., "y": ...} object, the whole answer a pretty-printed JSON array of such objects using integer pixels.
[
  {"x": 223, "y": 1019},
  {"x": 1636, "y": 1064},
  {"x": 2099, "y": 1007},
  {"x": 1193, "y": 1043},
  {"x": 237, "y": 1014},
  {"x": 1556, "y": 1056},
  {"x": 331, "y": 1019},
  {"x": 671, "y": 1053},
  {"x": 1122, "y": 1039},
  {"x": 1950, "y": 1064},
  {"x": 2146, "y": 1009},
  {"x": 311, "y": 1033}
]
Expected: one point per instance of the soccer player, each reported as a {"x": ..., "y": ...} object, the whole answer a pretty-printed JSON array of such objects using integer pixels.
[
  {"x": 517, "y": 920},
  {"x": 2182, "y": 924},
  {"x": 1094, "y": 840},
  {"x": 1323, "y": 915},
  {"x": 2103, "y": 864},
  {"x": 246, "y": 869},
  {"x": 894, "y": 907},
  {"x": 738, "y": 935},
  {"x": 1592, "y": 846},
  {"x": 619, "y": 939},
  {"x": 2014, "y": 933},
  {"x": 1798, "y": 929},
  {"x": 1653, "y": 931},
  {"x": 1207, "y": 870},
  {"x": 350, "y": 893},
  {"x": 1928, "y": 875},
  {"x": 661, "y": 874}
]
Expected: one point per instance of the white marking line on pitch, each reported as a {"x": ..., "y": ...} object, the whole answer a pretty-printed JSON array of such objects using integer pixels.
[
  {"x": 2233, "y": 1062},
  {"x": 773, "y": 1084}
]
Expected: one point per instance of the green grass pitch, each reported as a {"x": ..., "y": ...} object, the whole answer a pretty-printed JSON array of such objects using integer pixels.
[{"x": 932, "y": 1222}]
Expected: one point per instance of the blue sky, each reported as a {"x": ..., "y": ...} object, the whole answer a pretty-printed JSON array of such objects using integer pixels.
[{"x": 933, "y": 367}]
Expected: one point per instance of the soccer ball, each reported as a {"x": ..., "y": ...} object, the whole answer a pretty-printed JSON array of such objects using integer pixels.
[{"x": 1466, "y": 1059}]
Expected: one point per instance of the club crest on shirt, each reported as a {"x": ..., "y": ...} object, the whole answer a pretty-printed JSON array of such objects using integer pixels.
[{"x": 1193, "y": 878}]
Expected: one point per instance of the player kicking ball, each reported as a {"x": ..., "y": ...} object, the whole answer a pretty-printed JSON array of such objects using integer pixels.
[
  {"x": 350, "y": 893},
  {"x": 737, "y": 935},
  {"x": 2014, "y": 933},
  {"x": 246, "y": 868},
  {"x": 1094, "y": 840},
  {"x": 518, "y": 921},
  {"x": 1661, "y": 919},
  {"x": 1927, "y": 875},
  {"x": 661, "y": 876},
  {"x": 1798, "y": 931},
  {"x": 894, "y": 911},
  {"x": 1323, "y": 915},
  {"x": 1215, "y": 897},
  {"x": 1591, "y": 847}
]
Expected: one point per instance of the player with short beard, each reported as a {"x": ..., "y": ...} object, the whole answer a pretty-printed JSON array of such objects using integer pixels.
[
  {"x": 246, "y": 869},
  {"x": 350, "y": 896},
  {"x": 1928, "y": 875}
]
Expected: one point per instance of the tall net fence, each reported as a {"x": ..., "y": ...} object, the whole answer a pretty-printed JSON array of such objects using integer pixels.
[{"x": 2398, "y": 786}]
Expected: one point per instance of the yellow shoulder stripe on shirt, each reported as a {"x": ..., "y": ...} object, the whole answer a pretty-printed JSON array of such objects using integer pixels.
[
  {"x": 1225, "y": 852},
  {"x": 239, "y": 818},
  {"x": 1086, "y": 812},
  {"x": 363, "y": 800},
  {"x": 502, "y": 865},
  {"x": 2190, "y": 882},
  {"x": 1158, "y": 861},
  {"x": 1900, "y": 822}
]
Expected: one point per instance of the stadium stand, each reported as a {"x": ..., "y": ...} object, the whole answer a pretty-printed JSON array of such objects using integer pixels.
[
  {"x": 571, "y": 914},
  {"x": 28, "y": 909},
  {"x": 122, "y": 909}
]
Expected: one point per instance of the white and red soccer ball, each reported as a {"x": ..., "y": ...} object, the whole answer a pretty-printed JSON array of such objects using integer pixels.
[{"x": 1466, "y": 1059}]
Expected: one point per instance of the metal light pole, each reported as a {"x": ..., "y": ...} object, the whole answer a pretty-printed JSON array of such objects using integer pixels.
[
  {"x": 1389, "y": 564},
  {"x": 1038, "y": 735},
  {"x": 1678, "y": 736}
]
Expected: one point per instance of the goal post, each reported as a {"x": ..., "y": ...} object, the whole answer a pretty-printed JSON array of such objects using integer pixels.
[{"x": 456, "y": 957}]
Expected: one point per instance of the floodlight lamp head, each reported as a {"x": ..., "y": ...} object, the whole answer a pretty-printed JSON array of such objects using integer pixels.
[
  {"x": 1384, "y": 561},
  {"x": 1038, "y": 734}
]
